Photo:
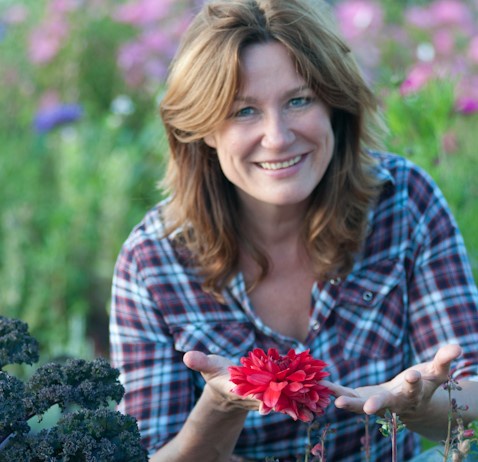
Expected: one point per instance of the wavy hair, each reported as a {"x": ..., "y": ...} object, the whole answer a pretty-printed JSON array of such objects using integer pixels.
[{"x": 203, "y": 80}]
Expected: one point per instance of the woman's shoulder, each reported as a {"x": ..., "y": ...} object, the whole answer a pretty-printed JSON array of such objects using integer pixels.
[
  {"x": 151, "y": 227},
  {"x": 402, "y": 174},
  {"x": 393, "y": 166},
  {"x": 150, "y": 241},
  {"x": 408, "y": 191}
]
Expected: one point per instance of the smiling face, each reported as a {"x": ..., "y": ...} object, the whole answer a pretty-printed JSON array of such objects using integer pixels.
[{"x": 277, "y": 142}]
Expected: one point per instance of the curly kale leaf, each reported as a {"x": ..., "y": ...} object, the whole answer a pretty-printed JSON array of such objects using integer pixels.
[
  {"x": 12, "y": 410},
  {"x": 89, "y": 384},
  {"x": 17, "y": 346},
  {"x": 86, "y": 435}
]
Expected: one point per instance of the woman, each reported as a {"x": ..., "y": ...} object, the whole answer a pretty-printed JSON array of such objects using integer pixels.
[{"x": 283, "y": 229}]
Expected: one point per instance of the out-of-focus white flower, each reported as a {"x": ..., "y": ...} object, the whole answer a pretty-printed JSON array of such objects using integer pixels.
[
  {"x": 122, "y": 105},
  {"x": 425, "y": 52}
]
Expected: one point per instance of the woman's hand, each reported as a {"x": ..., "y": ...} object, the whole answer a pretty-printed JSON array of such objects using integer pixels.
[
  {"x": 408, "y": 394},
  {"x": 214, "y": 369}
]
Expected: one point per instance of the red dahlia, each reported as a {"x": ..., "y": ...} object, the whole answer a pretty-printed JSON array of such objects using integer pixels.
[{"x": 287, "y": 384}]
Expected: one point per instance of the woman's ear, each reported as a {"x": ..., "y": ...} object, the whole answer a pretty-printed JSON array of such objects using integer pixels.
[{"x": 210, "y": 141}]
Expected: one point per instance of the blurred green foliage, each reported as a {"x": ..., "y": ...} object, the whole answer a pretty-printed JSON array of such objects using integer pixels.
[
  {"x": 70, "y": 195},
  {"x": 68, "y": 201},
  {"x": 425, "y": 128}
]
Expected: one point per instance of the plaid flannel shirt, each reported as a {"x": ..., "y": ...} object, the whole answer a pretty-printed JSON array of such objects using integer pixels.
[{"x": 410, "y": 292}]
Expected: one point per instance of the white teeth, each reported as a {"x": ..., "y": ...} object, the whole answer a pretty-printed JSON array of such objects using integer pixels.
[{"x": 279, "y": 165}]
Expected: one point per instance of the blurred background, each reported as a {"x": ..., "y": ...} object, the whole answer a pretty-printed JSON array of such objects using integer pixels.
[{"x": 82, "y": 147}]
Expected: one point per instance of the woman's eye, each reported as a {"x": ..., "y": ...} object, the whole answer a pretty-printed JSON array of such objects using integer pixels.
[
  {"x": 244, "y": 112},
  {"x": 300, "y": 101}
]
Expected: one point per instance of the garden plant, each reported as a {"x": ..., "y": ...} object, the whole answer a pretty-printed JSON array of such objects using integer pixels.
[{"x": 87, "y": 431}]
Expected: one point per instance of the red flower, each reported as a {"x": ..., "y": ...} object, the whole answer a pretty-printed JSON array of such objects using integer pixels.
[{"x": 287, "y": 384}]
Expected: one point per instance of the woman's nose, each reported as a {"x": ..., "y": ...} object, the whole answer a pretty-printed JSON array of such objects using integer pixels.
[{"x": 278, "y": 133}]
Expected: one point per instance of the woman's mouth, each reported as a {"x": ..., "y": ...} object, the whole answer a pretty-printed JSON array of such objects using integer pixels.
[{"x": 280, "y": 165}]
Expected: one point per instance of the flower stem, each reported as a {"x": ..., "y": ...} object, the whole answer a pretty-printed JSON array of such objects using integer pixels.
[
  {"x": 394, "y": 437},
  {"x": 446, "y": 451}
]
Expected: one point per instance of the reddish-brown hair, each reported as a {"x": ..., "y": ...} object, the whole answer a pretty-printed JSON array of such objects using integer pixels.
[{"x": 204, "y": 78}]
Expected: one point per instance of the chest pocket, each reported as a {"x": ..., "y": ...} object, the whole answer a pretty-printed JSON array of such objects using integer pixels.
[
  {"x": 371, "y": 314},
  {"x": 231, "y": 339}
]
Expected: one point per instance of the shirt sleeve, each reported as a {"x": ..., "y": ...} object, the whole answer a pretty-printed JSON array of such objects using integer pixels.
[
  {"x": 158, "y": 386},
  {"x": 442, "y": 293}
]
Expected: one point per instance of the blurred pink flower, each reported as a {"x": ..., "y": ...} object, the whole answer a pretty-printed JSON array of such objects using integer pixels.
[
  {"x": 146, "y": 59},
  {"x": 473, "y": 49},
  {"x": 317, "y": 450},
  {"x": 439, "y": 13},
  {"x": 466, "y": 105},
  {"x": 49, "y": 99},
  {"x": 143, "y": 12},
  {"x": 15, "y": 14},
  {"x": 419, "y": 75},
  {"x": 359, "y": 17},
  {"x": 159, "y": 40},
  {"x": 449, "y": 12},
  {"x": 63, "y": 6},
  {"x": 46, "y": 40},
  {"x": 449, "y": 142},
  {"x": 131, "y": 59},
  {"x": 419, "y": 17},
  {"x": 289, "y": 384},
  {"x": 467, "y": 95},
  {"x": 444, "y": 41},
  {"x": 361, "y": 23}
]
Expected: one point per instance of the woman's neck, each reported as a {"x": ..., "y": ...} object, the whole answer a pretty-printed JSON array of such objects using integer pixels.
[{"x": 271, "y": 226}]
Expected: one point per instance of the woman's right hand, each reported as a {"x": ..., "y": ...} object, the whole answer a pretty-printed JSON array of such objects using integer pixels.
[{"x": 214, "y": 369}]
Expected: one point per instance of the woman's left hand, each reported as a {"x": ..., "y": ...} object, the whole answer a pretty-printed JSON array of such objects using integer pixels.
[{"x": 408, "y": 394}]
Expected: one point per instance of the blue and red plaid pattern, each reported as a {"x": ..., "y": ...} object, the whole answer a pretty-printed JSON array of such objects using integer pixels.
[{"x": 410, "y": 292}]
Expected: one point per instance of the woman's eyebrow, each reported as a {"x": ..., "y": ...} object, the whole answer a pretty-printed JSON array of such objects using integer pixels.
[{"x": 249, "y": 99}]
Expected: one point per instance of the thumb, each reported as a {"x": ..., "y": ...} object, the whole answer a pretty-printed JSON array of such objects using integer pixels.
[
  {"x": 206, "y": 364},
  {"x": 196, "y": 360}
]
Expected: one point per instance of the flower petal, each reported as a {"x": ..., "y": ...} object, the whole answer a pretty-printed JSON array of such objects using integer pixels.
[
  {"x": 273, "y": 392},
  {"x": 297, "y": 376}
]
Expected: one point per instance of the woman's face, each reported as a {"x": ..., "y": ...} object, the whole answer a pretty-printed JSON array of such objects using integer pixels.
[{"x": 277, "y": 141}]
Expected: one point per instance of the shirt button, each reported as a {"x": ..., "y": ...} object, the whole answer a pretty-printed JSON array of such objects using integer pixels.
[
  {"x": 367, "y": 296},
  {"x": 316, "y": 325},
  {"x": 335, "y": 281},
  {"x": 213, "y": 348}
]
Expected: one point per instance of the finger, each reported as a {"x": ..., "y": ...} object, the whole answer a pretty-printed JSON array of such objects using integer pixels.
[
  {"x": 412, "y": 386},
  {"x": 351, "y": 404},
  {"x": 408, "y": 395},
  {"x": 444, "y": 358},
  {"x": 338, "y": 390}
]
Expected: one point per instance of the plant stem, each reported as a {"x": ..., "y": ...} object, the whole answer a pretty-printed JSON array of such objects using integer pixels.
[
  {"x": 394, "y": 437},
  {"x": 448, "y": 435},
  {"x": 4, "y": 441},
  {"x": 309, "y": 441},
  {"x": 322, "y": 442}
]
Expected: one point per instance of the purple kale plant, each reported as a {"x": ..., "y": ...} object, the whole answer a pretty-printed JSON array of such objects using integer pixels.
[
  {"x": 88, "y": 429},
  {"x": 17, "y": 346}
]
